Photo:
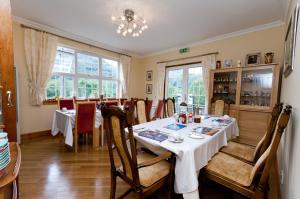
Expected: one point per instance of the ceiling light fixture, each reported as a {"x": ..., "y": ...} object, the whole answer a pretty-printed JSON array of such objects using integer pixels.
[{"x": 129, "y": 23}]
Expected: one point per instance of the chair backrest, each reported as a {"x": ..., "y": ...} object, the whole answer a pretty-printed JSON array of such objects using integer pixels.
[
  {"x": 85, "y": 117},
  {"x": 148, "y": 109},
  {"x": 141, "y": 111},
  {"x": 66, "y": 103},
  {"x": 268, "y": 158},
  {"x": 263, "y": 144},
  {"x": 170, "y": 107},
  {"x": 111, "y": 103},
  {"x": 117, "y": 120},
  {"x": 159, "y": 109},
  {"x": 122, "y": 101},
  {"x": 219, "y": 107}
]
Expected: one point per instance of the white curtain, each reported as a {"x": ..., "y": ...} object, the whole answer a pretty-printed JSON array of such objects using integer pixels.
[
  {"x": 125, "y": 63},
  {"x": 160, "y": 74},
  {"x": 40, "y": 51},
  {"x": 208, "y": 62}
]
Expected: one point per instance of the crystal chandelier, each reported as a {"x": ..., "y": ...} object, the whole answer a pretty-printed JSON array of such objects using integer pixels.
[{"x": 130, "y": 23}]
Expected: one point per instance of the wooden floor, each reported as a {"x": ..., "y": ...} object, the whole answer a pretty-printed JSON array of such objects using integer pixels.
[{"x": 52, "y": 171}]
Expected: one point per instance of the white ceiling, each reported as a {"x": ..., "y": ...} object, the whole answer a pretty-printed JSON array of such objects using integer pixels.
[{"x": 172, "y": 23}]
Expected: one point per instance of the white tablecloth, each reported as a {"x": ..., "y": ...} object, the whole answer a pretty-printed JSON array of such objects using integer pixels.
[
  {"x": 64, "y": 122},
  {"x": 192, "y": 154}
]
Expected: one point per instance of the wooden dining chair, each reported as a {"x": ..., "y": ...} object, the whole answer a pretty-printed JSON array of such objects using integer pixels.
[
  {"x": 111, "y": 103},
  {"x": 159, "y": 110},
  {"x": 219, "y": 107},
  {"x": 141, "y": 111},
  {"x": 247, "y": 179},
  {"x": 84, "y": 120},
  {"x": 66, "y": 103},
  {"x": 144, "y": 172},
  {"x": 148, "y": 109},
  {"x": 122, "y": 101},
  {"x": 170, "y": 107},
  {"x": 250, "y": 153}
]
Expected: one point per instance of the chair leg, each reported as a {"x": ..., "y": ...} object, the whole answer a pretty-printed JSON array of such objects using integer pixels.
[
  {"x": 76, "y": 142},
  {"x": 113, "y": 186}
]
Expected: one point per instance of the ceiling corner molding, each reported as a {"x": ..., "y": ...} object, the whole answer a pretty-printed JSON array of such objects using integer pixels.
[
  {"x": 69, "y": 35},
  {"x": 221, "y": 37}
]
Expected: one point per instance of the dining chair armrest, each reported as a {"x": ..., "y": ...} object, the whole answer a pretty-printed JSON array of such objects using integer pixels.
[{"x": 155, "y": 160}]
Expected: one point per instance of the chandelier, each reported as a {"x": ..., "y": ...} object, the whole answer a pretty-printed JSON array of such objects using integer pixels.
[{"x": 129, "y": 23}]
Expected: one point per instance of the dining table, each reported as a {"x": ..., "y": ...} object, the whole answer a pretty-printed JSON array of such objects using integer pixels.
[
  {"x": 64, "y": 122},
  {"x": 192, "y": 152}
]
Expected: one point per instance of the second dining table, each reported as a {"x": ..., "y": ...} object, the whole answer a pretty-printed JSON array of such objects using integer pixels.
[
  {"x": 64, "y": 121},
  {"x": 192, "y": 154}
]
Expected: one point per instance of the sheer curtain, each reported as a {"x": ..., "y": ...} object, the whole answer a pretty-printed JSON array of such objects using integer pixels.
[
  {"x": 40, "y": 51},
  {"x": 160, "y": 74},
  {"x": 125, "y": 63},
  {"x": 208, "y": 62}
]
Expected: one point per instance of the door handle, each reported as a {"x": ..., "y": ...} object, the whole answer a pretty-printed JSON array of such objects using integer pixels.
[{"x": 9, "y": 99}]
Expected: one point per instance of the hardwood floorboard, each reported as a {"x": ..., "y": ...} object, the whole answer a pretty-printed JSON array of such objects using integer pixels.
[{"x": 50, "y": 170}]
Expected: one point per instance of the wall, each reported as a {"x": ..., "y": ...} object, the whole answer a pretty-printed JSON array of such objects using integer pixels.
[
  {"x": 39, "y": 118},
  {"x": 234, "y": 48},
  {"x": 288, "y": 154}
]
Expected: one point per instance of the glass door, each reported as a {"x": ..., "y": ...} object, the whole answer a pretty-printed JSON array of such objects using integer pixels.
[
  {"x": 256, "y": 88},
  {"x": 185, "y": 84}
]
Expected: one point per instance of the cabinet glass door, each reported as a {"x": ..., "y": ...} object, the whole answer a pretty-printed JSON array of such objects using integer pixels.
[
  {"x": 225, "y": 87},
  {"x": 256, "y": 87}
]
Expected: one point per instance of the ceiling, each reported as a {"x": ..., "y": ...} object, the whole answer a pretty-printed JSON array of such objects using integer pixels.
[{"x": 172, "y": 23}]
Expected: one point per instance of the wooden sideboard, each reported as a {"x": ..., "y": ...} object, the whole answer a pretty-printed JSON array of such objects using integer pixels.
[
  {"x": 9, "y": 181},
  {"x": 251, "y": 93}
]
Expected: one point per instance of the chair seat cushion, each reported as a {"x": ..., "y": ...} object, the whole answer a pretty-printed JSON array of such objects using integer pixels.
[
  {"x": 228, "y": 167},
  {"x": 243, "y": 151},
  {"x": 152, "y": 174}
]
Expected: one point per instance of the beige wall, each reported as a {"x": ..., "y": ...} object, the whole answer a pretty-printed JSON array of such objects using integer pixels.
[
  {"x": 288, "y": 154},
  {"x": 33, "y": 119},
  {"x": 39, "y": 118},
  {"x": 234, "y": 48}
]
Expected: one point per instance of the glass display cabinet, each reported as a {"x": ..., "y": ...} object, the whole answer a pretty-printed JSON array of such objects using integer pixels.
[
  {"x": 224, "y": 87},
  {"x": 252, "y": 92}
]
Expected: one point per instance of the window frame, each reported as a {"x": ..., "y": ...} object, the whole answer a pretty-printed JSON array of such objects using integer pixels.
[
  {"x": 77, "y": 75},
  {"x": 185, "y": 77}
]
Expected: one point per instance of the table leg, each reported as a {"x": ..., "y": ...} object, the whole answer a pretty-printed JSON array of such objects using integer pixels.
[{"x": 96, "y": 135}]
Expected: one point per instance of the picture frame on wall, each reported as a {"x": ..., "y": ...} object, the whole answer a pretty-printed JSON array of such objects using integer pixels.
[
  {"x": 253, "y": 59},
  {"x": 290, "y": 43},
  {"x": 148, "y": 88},
  {"x": 149, "y": 75}
]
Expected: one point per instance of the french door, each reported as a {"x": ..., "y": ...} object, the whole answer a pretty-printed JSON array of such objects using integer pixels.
[
  {"x": 185, "y": 84},
  {"x": 7, "y": 80}
]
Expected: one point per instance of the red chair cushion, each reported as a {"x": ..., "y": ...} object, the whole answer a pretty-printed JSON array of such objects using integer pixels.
[
  {"x": 148, "y": 109},
  {"x": 160, "y": 105},
  {"x": 85, "y": 117},
  {"x": 111, "y": 103},
  {"x": 66, "y": 103}
]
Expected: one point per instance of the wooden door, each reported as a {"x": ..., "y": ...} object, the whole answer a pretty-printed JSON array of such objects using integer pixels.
[{"x": 7, "y": 81}]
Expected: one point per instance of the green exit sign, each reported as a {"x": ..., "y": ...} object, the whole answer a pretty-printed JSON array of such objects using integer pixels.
[{"x": 184, "y": 50}]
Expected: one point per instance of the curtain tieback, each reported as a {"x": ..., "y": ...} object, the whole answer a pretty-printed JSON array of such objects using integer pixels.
[{"x": 35, "y": 87}]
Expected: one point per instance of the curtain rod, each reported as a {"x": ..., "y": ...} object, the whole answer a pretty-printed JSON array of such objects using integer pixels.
[
  {"x": 184, "y": 64},
  {"x": 91, "y": 45},
  {"x": 179, "y": 59}
]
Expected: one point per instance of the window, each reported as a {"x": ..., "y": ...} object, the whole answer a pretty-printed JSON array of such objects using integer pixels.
[
  {"x": 82, "y": 75},
  {"x": 185, "y": 83}
]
